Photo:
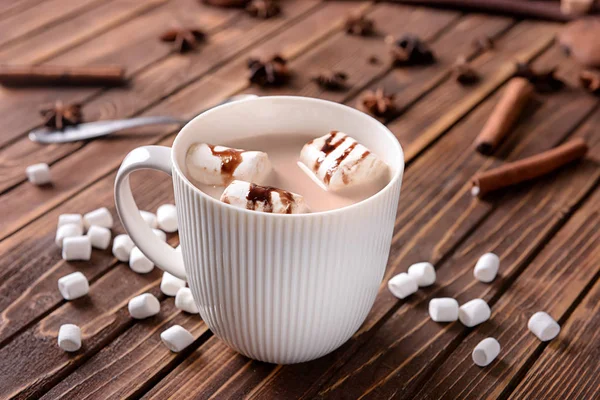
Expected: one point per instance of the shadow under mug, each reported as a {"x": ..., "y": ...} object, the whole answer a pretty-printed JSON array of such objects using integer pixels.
[{"x": 276, "y": 288}]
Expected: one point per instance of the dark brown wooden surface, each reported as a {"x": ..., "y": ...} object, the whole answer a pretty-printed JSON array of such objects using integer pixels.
[{"x": 546, "y": 232}]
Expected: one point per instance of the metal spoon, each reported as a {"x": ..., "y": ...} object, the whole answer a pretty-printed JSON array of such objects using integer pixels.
[{"x": 92, "y": 130}]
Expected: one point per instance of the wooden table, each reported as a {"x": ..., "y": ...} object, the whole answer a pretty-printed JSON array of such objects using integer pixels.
[{"x": 546, "y": 232}]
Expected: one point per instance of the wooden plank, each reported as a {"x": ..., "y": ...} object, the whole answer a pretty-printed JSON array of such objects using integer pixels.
[{"x": 8, "y": 8}]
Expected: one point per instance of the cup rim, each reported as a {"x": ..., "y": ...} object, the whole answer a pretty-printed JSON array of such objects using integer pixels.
[{"x": 395, "y": 178}]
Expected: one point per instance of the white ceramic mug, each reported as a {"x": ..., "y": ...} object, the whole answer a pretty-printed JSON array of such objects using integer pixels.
[{"x": 277, "y": 288}]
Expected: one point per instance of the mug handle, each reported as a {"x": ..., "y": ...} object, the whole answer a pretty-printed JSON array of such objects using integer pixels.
[{"x": 159, "y": 252}]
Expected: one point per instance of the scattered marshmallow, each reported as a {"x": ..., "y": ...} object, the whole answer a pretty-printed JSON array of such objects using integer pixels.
[
  {"x": 160, "y": 234},
  {"x": 176, "y": 338},
  {"x": 65, "y": 219},
  {"x": 122, "y": 246},
  {"x": 76, "y": 248},
  {"x": 170, "y": 284},
  {"x": 73, "y": 286},
  {"x": 143, "y": 306},
  {"x": 423, "y": 273},
  {"x": 99, "y": 237},
  {"x": 150, "y": 219},
  {"x": 262, "y": 198},
  {"x": 100, "y": 217},
  {"x": 402, "y": 285},
  {"x": 139, "y": 263},
  {"x": 184, "y": 301},
  {"x": 339, "y": 162},
  {"x": 65, "y": 231},
  {"x": 69, "y": 337},
  {"x": 486, "y": 268},
  {"x": 486, "y": 351},
  {"x": 474, "y": 312},
  {"x": 543, "y": 326},
  {"x": 38, "y": 174},
  {"x": 443, "y": 309},
  {"x": 166, "y": 216},
  {"x": 219, "y": 165}
]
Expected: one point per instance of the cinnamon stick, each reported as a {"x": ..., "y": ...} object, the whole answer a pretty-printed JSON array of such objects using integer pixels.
[
  {"x": 505, "y": 114},
  {"x": 528, "y": 168},
  {"x": 36, "y": 75}
]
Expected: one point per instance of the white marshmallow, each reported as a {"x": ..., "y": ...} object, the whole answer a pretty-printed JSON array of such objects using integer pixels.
[
  {"x": 65, "y": 219},
  {"x": 65, "y": 231},
  {"x": 149, "y": 218},
  {"x": 423, "y": 273},
  {"x": 184, "y": 301},
  {"x": 99, "y": 237},
  {"x": 486, "y": 268},
  {"x": 347, "y": 163},
  {"x": 261, "y": 198},
  {"x": 443, "y": 309},
  {"x": 178, "y": 248},
  {"x": 543, "y": 326},
  {"x": 122, "y": 246},
  {"x": 100, "y": 217},
  {"x": 402, "y": 285},
  {"x": 211, "y": 165},
  {"x": 76, "y": 248},
  {"x": 69, "y": 337},
  {"x": 143, "y": 306},
  {"x": 139, "y": 263},
  {"x": 486, "y": 351},
  {"x": 166, "y": 216},
  {"x": 176, "y": 338},
  {"x": 474, "y": 312},
  {"x": 38, "y": 174},
  {"x": 160, "y": 234},
  {"x": 170, "y": 284},
  {"x": 73, "y": 286}
]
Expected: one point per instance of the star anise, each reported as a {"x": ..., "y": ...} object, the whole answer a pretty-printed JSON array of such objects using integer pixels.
[
  {"x": 226, "y": 3},
  {"x": 60, "y": 115},
  {"x": 483, "y": 43},
  {"x": 590, "y": 81},
  {"x": 331, "y": 80},
  {"x": 184, "y": 39},
  {"x": 263, "y": 9},
  {"x": 377, "y": 103},
  {"x": 464, "y": 72},
  {"x": 411, "y": 50},
  {"x": 359, "y": 25},
  {"x": 273, "y": 72},
  {"x": 544, "y": 81}
]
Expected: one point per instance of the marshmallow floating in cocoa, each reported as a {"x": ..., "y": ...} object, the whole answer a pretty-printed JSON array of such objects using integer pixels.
[
  {"x": 219, "y": 165},
  {"x": 263, "y": 198},
  {"x": 339, "y": 162}
]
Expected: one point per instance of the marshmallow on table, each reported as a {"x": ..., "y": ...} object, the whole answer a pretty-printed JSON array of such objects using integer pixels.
[
  {"x": 486, "y": 268},
  {"x": 100, "y": 217},
  {"x": 76, "y": 248},
  {"x": 263, "y": 198},
  {"x": 423, "y": 273},
  {"x": 219, "y": 165},
  {"x": 99, "y": 237},
  {"x": 143, "y": 306},
  {"x": 160, "y": 234},
  {"x": 73, "y": 286},
  {"x": 65, "y": 231},
  {"x": 139, "y": 263},
  {"x": 122, "y": 246},
  {"x": 474, "y": 312},
  {"x": 170, "y": 284},
  {"x": 65, "y": 219},
  {"x": 543, "y": 326},
  {"x": 166, "y": 216},
  {"x": 402, "y": 285},
  {"x": 184, "y": 301},
  {"x": 339, "y": 161},
  {"x": 149, "y": 218},
  {"x": 69, "y": 337},
  {"x": 443, "y": 309},
  {"x": 486, "y": 351},
  {"x": 176, "y": 338},
  {"x": 38, "y": 174}
]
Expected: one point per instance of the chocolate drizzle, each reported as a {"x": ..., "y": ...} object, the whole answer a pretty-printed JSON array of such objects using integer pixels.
[
  {"x": 230, "y": 159},
  {"x": 337, "y": 162},
  {"x": 262, "y": 194},
  {"x": 364, "y": 155},
  {"x": 327, "y": 148}
]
